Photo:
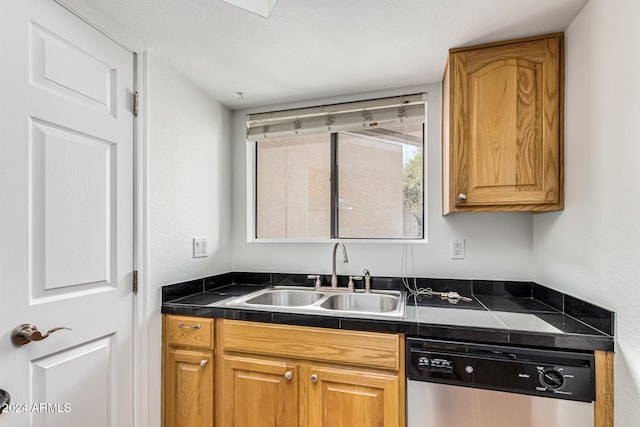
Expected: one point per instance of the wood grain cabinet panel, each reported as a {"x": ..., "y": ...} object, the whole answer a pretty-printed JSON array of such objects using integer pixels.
[
  {"x": 187, "y": 331},
  {"x": 503, "y": 126},
  {"x": 603, "y": 410},
  {"x": 259, "y": 393},
  {"x": 279, "y": 375},
  {"x": 370, "y": 349},
  {"x": 189, "y": 388},
  {"x": 354, "y": 398},
  {"x": 188, "y": 371}
]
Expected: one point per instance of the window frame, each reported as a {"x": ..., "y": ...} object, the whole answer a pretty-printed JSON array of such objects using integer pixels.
[{"x": 252, "y": 194}]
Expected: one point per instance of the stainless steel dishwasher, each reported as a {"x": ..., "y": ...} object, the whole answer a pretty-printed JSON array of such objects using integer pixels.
[{"x": 457, "y": 384}]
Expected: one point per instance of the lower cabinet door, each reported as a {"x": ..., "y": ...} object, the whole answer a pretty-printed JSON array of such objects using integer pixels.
[
  {"x": 352, "y": 398},
  {"x": 189, "y": 388},
  {"x": 259, "y": 392}
]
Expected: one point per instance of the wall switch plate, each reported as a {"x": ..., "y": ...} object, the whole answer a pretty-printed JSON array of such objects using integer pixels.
[
  {"x": 457, "y": 248},
  {"x": 200, "y": 248}
]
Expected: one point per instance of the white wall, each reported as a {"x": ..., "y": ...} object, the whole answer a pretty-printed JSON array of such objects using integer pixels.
[
  {"x": 498, "y": 245},
  {"x": 592, "y": 248},
  {"x": 189, "y": 179}
]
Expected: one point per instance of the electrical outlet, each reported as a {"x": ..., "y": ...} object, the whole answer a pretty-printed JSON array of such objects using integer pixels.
[
  {"x": 200, "y": 247},
  {"x": 457, "y": 248}
]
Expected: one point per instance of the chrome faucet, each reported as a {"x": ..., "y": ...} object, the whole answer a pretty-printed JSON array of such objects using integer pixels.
[{"x": 334, "y": 276}]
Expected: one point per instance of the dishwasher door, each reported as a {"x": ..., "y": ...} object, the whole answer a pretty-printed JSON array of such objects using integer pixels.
[{"x": 443, "y": 405}]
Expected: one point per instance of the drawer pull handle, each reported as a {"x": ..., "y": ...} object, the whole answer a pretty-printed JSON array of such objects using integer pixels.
[
  {"x": 288, "y": 375},
  {"x": 203, "y": 362},
  {"x": 314, "y": 378},
  {"x": 180, "y": 325},
  {"x": 462, "y": 196}
]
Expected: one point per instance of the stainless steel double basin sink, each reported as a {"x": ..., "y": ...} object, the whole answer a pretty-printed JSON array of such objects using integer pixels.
[{"x": 327, "y": 301}]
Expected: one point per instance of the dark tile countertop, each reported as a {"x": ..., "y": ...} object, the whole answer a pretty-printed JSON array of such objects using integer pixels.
[{"x": 515, "y": 313}]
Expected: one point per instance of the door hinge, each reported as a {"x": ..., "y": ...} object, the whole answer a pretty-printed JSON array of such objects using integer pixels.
[
  {"x": 135, "y": 104},
  {"x": 135, "y": 282}
]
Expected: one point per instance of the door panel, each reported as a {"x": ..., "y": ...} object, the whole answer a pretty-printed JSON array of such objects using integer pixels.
[
  {"x": 189, "y": 388},
  {"x": 63, "y": 67},
  {"x": 351, "y": 398},
  {"x": 444, "y": 405},
  {"x": 505, "y": 125},
  {"x": 259, "y": 393},
  {"x": 71, "y": 207},
  {"x": 91, "y": 362},
  {"x": 66, "y": 218}
]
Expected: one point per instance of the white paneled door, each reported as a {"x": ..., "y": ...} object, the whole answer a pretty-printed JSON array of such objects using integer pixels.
[{"x": 66, "y": 219}]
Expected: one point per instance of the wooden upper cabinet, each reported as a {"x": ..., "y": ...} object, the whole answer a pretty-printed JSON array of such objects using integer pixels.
[{"x": 503, "y": 126}]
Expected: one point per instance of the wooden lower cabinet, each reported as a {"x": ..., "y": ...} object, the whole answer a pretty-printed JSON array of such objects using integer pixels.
[
  {"x": 290, "y": 376},
  {"x": 188, "y": 371},
  {"x": 189, "y": 388},
  {"x": 603, "y": 410},
  {"x": 352, "y": 398},
  {"x": 274, "y": 392},
  {"x": 259, "y": 393},
  {"x": 270, "y": 375}
]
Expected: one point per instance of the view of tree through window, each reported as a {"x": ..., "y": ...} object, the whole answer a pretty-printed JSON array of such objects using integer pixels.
[
  {"x": 412, "y": 180},
  {"x": 376, "y": 185}
]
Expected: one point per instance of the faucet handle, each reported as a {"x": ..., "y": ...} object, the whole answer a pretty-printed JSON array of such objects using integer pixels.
[
  {"x": 318, "y": 283},
  {"x": 351, "y": 286},
  {"x": 367, "y": 281}
]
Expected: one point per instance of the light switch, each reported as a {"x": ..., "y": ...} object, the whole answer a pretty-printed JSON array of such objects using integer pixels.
[{"x": 200, "y": 248}]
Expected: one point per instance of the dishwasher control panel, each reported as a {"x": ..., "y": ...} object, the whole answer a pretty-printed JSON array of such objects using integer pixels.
[{"x": 558, "y": 374}]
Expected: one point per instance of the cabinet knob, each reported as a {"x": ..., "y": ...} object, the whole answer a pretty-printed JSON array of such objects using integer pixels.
[
  {"x": 203, "y": 362},
  {"x": 462, "y": 196},
  {"x": 288, "y": 375},
  {"x": 314, "y": 378}
]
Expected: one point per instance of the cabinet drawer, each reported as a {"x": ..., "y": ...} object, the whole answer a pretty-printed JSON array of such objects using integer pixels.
[
  {"x": 189, "y": 331},
  {"x": 369, "y": 349}
]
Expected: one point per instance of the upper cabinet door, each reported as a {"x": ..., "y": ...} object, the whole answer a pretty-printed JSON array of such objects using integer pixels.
[{"x": 502, "y": 129}]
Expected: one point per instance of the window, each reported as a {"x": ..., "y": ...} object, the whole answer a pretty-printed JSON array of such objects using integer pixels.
[
  {"x": 348, "y": 179},
  {"x": 293, "y": 198},
  {"x": 379, "y": 175}
]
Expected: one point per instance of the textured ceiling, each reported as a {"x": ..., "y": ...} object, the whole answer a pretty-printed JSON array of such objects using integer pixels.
[{"x": 311, "y": 49}]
